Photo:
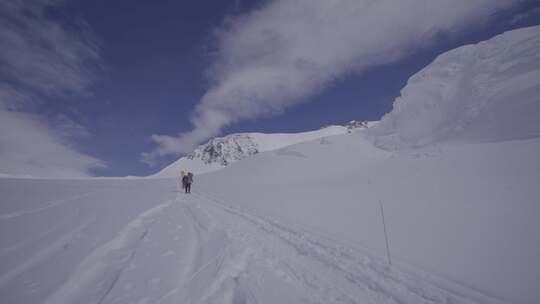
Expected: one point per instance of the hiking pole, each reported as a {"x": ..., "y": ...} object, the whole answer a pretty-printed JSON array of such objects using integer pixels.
[{"x": 385, "y": 234}]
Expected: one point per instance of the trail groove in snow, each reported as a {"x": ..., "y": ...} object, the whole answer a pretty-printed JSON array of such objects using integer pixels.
[
  {"x": 197, "y": 249},
  {"x": 262, "y": 254}
]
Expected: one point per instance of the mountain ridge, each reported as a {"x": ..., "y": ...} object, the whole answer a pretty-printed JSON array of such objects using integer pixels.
[{"x": 220, "y": 152}]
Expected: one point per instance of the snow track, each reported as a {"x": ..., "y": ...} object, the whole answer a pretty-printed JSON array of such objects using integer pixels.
[
  {"x": 196, "y": 249},
  {"x": 224, "y": 255},
  {"x": 265, "y": 259}
]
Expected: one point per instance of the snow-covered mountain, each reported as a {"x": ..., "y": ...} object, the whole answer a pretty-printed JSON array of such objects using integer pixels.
[
  {"x": 486, "y": 92},
  {"x": 222, "y": 151}
]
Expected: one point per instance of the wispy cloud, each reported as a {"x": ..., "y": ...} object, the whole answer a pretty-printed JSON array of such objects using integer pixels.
[
  {"x": 526, "y": 15},
  {"x": 41, "y": 57},
  {"x": 280, "y": 54}
]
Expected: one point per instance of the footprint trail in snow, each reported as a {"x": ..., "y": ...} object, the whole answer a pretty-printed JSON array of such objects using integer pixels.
[{"x": 196, "y": 249}]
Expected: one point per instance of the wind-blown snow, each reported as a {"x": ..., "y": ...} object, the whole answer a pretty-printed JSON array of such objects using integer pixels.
[{"x": 486, "y": 92}]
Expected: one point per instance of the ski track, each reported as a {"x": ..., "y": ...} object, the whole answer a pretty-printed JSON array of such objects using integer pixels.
[
  {"x": 231, "y": 255},
  {"x": 342, "y": 275}
]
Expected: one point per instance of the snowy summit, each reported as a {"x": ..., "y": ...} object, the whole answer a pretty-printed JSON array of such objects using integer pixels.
[{"x": 222, "y": 151}]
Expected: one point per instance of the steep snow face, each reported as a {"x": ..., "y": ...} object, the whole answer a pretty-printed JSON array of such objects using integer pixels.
[
  {"x": 222, "y": 151},
  {"x": 486, "y": 92}
]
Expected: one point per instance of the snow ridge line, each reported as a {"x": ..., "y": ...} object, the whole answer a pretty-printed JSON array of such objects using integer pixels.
[{"x": 105, "y": 264}]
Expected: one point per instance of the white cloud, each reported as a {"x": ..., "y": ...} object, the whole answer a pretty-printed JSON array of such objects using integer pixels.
[
  {"x": 41, "y": 54},
  {"x": 40, "y": 57},
  {"x": 281, "y": 53},
  {"x": 30, "y": 148}
]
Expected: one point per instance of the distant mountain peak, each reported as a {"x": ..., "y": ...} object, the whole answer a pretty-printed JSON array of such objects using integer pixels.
[
  {"x": 355, "y": 124},
  {"x": 224, "y": 150},
  {"x": 220, "y": 152}
]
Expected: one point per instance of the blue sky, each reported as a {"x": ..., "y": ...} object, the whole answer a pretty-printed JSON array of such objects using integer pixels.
[{"x": 144, "y": 76}]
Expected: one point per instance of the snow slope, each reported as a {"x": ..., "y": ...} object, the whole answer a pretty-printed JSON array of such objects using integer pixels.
[
  {"x": 143, "y": 241},
  {"x": 476, "y": 93},
  {"x": 296, "y": 225},
  {"x": 467, "y": 212},
  {"x": 222, "y": 151}
]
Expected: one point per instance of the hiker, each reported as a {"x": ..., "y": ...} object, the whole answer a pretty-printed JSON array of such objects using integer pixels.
[
  {"x": 182, "y": 175},
  {"x": 187, "y": 180},
  {"x": 190, "y": 181}
]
